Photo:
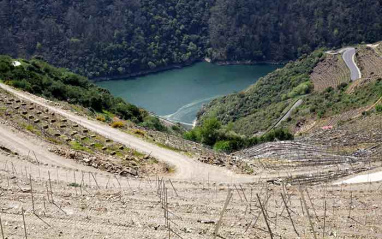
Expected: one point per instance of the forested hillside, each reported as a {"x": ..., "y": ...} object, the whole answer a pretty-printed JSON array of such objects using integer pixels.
[
  {"x": 98, "y": 38},
  {"x": 284, "y": 29},
  {"x": 115, "y": 37}
]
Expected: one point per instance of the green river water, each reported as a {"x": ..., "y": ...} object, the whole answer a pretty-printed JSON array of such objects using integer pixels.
[{"x": 179, "y": 94}]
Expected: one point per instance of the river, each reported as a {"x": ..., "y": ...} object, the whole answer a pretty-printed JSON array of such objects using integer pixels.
[{"x": 179, "y": 94}]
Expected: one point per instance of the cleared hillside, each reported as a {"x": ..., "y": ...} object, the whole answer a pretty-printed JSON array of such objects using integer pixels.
[{"x": 331, "y": 72}]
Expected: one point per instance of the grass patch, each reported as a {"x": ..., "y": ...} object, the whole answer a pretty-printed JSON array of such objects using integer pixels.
[
  {"x": 75, "y": 185},
  {"x": 79, "y": 147},
  {"x": 138, "y": 154},
  {"x": 168, "y": 147}
]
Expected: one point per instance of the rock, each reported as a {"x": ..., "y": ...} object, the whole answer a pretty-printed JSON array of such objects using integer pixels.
[
  {"x": 207, "y": 222},
  {"x": 36, "y": 121}
]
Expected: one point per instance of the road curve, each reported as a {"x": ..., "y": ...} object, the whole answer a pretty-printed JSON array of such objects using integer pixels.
[
  {"x": 348, "y": 56},
  {"x": 186, "y": 168}
]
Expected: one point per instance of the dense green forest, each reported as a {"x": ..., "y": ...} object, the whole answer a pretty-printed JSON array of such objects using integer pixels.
[
  {"x": 40, "y": 78},
  {"x": 104, "y": 38},
  {"x": 115, "y": 37}
]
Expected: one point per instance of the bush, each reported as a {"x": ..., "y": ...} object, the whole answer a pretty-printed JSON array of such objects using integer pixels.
[
  {"x": 154, "y": 123},
  {"x": 101, "y": 118},
  {"x": 118, "y": 124},
  {"x": 378, "y": 108},
  {"x": 224, "y": 139},
  {"x": 223, "y": 146}
]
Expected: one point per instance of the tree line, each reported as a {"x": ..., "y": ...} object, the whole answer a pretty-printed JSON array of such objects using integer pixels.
[{"x": 115, "y": 37}]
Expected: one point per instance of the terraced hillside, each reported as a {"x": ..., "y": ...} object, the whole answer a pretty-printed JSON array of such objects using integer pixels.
[
  {"x": 70, "y": 139},
  {"x": 331, "y": 72},
  {"x": 370, "y": 62}
]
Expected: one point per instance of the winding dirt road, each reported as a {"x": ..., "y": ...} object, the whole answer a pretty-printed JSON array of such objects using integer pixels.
[{"x": 185, "y": 167}]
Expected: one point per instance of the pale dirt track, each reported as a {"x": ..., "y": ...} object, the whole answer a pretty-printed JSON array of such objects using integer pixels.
[{"x": 186, "y": 167}]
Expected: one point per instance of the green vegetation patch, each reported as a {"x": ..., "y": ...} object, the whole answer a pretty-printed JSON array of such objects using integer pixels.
[
  {"x": 40, "y": 78},
  {"x": 222, "y": 138},
  {"x": 261, "y": 105}
]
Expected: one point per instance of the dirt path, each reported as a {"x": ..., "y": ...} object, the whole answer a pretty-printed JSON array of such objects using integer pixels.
[
  {"x": 186, "y": 168},
  {"x": 297, "y": 104}
]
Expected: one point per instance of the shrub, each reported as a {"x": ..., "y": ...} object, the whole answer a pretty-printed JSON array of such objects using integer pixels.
[
  {"x": 118, "y": 124},
  {"x": 223, "y": 146},
  {"x": 139, "y": 132},
  {"x": 101, "y": 118},
  {"x": 152, "y": 122},
  {"x": 378, "y": 108}
]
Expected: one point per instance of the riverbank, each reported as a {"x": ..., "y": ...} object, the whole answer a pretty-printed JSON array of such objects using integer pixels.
[
  {"x": 143, "y": 73},
  {"x": 178, "y": 95},
  {"x": 180, "y": 66}
]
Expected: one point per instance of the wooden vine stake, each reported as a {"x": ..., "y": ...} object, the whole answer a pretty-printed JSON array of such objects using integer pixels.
[
  {"x": 1, "y": 228},
  {"x": 229, "y": 196},
  {"x": 265, "y": 216},
  {"x": 30, "y": 181},
  {"x": 290, "y": 216},
  {"x": 25, "y": 227},
  {"x": 307, "y": 212}
]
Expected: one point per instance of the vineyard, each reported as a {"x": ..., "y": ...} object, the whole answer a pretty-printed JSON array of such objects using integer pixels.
[
  {"x": 330, "y": 72},
  {"x": 370, "y": 62},
  {"x": 47, "y": 202},
  {"x": 70, "y": 139}
]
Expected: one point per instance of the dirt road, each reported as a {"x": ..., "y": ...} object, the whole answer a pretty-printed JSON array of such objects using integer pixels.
[{"x": 186, "y": 167}]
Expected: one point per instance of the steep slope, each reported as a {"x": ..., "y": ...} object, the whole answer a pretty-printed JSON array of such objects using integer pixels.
[
  {"x": 114, "y": 38},
  {"x": 40, "y": 78},
  {"x": 318, "y": 79},
  {"x": 258, "y": 107},
  {"x": 330, "y": 72}
]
